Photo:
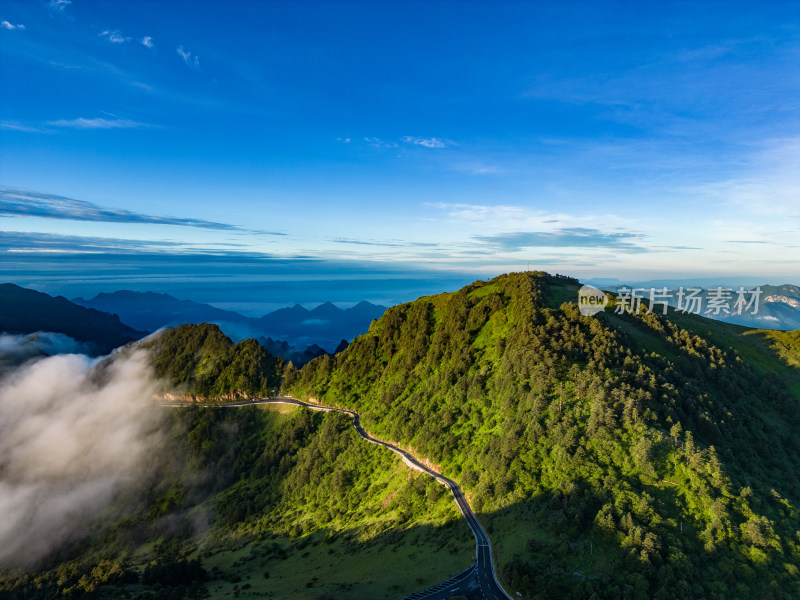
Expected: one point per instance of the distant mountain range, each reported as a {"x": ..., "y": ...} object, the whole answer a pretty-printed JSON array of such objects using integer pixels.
[
  {"x": 24, "y": 311},
  {"x": 149, "y": 311},
  {"x": 324, "y": 326},
  {"x": 110, "y": 320},
  {"x": 778, "y": 307}
]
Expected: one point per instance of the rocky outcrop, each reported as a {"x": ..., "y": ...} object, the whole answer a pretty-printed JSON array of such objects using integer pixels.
[{"x": 793, "y": 302}]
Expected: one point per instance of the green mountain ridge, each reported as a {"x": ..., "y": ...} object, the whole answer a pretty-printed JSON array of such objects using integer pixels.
[
  {"x": 613, "y": 456},
  {"x": 657, "y": 456},
  {"x": 201, "y": 360}
]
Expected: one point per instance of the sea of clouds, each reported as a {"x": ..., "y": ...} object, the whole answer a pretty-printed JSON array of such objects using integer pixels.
[{"x": 74, "y": 432}]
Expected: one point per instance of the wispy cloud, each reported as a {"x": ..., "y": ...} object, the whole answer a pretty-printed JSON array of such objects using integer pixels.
[
  {"x": 79, "y": 123},
  {"x": 36, "y": 244},
  {"x": 61, "y": 65},
  {"x": 476, "y": 167},
  {"x": 11, "y": 26},
  {"x": 15, "y": 242},
  {"x": 427, "y": 142},
  {"x": 379, "y": 143},
  {"x": 505, "y": 218},
  {"x": 59, "y": 5},
  {"x": 115, "y": 37},
  {"x": 98, "y": 123},
  {"x": 24, "y": 203},
  {"x": 498, "y": 214},
  {"x": 385, "y": 243},
  {"x": 147, "y": 41},
  {"x": 16, "y": 126},
  {"x": 191, "y": 60},
  {"x": 573, "y": 237}
]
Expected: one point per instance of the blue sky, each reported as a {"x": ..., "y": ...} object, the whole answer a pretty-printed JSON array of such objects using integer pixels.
[{"x": 204, "y": 147}]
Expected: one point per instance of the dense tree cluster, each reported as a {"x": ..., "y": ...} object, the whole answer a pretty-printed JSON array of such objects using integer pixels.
[
  {"x": 200, "y": 359},
  {"x": 644, "y": 459}
]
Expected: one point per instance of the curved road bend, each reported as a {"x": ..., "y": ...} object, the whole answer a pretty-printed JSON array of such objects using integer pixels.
[{"x": 478, "y": 582}]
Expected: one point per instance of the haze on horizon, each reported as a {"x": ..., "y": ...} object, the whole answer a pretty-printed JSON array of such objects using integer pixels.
[{"x": 207, "y": 148}]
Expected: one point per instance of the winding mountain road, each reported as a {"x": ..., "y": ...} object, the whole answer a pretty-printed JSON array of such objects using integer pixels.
[{"x": 478, "y": 582}]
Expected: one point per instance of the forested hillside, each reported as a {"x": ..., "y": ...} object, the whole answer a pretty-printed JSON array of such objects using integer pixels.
[
  {"x": 259, "y": 503},
  {"x": 610, "y": 456},
  {"x": 201, "y": 360},
  {"x": 614, "y": 456}
]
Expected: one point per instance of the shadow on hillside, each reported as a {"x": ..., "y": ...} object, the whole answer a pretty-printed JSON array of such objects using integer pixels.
[
  {"x": 783, "y": 347},
  {"x": 745, "y": 409},
  {"x": 561, "y": 545},
  {"x": 548, "y": 546},
  {"x": 551, "y": 546},
  {"x": 342, "y": 564}
]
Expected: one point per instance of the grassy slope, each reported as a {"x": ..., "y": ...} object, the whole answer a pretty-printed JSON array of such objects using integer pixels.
[{"x": 657, "y": 456}]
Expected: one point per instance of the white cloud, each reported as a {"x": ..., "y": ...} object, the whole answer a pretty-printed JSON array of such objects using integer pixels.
[
  {"x": 509, "y": 218},
  {"x": 344, "y": 140},
  {"x": 71, "y": 438},
  {"x": 11, "y": 26},
  {"x": 377, "y": 142},
  {"x": 191, "y": 60},
  {"x": 115, "y": 37},
  {"x": 60, "y": 4},
  {"x": 16, "y": 350},
  {"x": 147, "y": 41},
  {"x": 97, "y": 123},
  {"x": 769, "y": 184},
  {"x": 496, "y": 215},
  {"x": 427, "y": 142}
]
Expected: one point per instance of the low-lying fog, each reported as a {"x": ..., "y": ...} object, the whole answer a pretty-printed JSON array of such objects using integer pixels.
[{"x": 70, "y": 438}]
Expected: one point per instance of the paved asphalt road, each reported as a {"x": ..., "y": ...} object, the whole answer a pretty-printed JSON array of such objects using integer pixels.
[{"x": 479, "y": 581}]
